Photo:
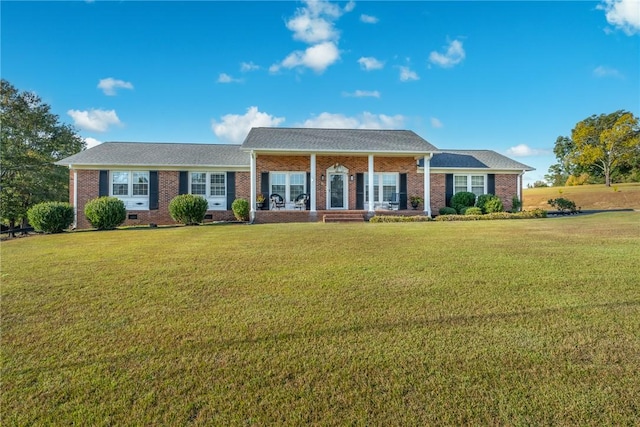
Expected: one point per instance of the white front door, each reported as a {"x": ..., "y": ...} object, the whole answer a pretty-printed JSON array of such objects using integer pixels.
[{"x": 337, "y": 189}]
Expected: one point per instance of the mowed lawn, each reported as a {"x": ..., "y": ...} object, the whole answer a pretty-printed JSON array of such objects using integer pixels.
[{"x": 514, "y": 322}]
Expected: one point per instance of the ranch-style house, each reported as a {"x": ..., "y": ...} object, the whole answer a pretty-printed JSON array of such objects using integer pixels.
[{"x": 303, "y": 174}]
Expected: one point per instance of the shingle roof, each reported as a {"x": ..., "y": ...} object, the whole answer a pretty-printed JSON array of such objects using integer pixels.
[
  {"x": 335, "y": 140},
  {"x": 475, "y": 159},
  {"x": 159, "y": 154}
]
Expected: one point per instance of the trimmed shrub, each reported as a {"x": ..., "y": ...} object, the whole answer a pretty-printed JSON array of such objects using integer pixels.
[
  {"x": 105, "y": 213},
  {"x": 473, "y": 211},
  {"x": 461, "y": 200},
  {"x": 482, "y": 199},
  {"x": 516, "y": 204},
  {"x": 188, "y": 209},
  {"x": 240, "y": 208},
  {"x": 563, "y": 205},
  {"x": 399, "y": 218},
  {"x": 50, "y": 217},
  {"x": 447, "y": 211},
  {"x": 494, "y": 204},
  {"x": 536, "y": 213}
]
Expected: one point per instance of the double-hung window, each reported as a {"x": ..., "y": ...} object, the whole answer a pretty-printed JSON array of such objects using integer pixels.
[
  {"x": 475, "y": 184},
  {"x": 210, "y": 185},
  {"x": 384, "y": 186},
  {"x": 288, "y": 184},
  {"x": 132, "y": 187}
]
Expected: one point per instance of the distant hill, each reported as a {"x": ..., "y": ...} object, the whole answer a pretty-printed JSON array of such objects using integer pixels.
[{"x": 618, "y": 196}]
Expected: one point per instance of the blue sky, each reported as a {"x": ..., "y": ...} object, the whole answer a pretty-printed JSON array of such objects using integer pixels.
[{"x": 508, "y": 76}]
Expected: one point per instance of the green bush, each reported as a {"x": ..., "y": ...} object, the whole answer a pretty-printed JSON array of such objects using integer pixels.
[
  {"x": 494, "y": 204},
  {"x": 563, "y": 205},
  {"x": 399, "y": 218},
  {"x": 188, "y": 209},
  {"x": 536, "y": 213},
  {"x": 447, "y": 211},
  {"x": 240, "y": 208},
  {"x": 473, "y": 211},
  {"x": 516, "y": 204},
  {"x": 50, "y": 217},
  {"x": 461, "y": 200},
  {"x": 105, "y": 213},
  {"x": 482, "y": 199}
]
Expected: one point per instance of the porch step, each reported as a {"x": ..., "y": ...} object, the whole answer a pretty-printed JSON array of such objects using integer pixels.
[{"x": 343, "y": 217}]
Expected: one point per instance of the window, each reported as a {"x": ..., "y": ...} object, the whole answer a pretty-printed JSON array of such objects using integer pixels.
[
  {"x": 472, "y": 183},
  {"x": 130, "y": 184},
  {"x": 208, "y": 184},
  {"x": 288, "y": 184},
  {"x": 384, "y": 185}
]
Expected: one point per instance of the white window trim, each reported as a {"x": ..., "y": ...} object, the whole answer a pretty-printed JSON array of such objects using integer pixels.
[
  {"x": 216, "y": 203},
  {"x": 289, "y": 204},
  {"x": 469, "y": 181},
  {"x": 131, "y": 202},
  {"x": 380, "y": 203}
]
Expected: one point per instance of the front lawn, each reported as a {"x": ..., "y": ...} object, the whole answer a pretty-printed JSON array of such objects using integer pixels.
[{"x": 524, "y": 322}]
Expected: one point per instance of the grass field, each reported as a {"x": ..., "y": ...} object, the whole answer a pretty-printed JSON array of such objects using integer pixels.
[
  {"x": 516, "y": 322},
  {"x": 588, "y": 197}
]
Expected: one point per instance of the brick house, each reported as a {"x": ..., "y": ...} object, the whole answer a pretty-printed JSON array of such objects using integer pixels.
[{"x": 316, "y": 172}]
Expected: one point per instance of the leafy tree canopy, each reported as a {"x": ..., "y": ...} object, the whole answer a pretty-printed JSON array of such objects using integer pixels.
[{"x": 31, "y": 140}]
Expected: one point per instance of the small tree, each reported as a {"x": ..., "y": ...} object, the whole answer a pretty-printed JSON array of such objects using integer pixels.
[
  {"x": 188, "y": 209},
  {"x": 240, "y": 209},
  {"x": 50, "y": 217},
  {"x": 105, "y": 213},
  {"x": 563, "y": 205}
]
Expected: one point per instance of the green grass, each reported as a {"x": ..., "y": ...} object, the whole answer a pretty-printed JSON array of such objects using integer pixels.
[{"x": 530, "y": 322}]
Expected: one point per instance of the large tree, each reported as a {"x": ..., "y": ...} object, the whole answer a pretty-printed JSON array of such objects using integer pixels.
[
  {"x": 32, "y": 139},
  {"x": 606, "y": 141}
]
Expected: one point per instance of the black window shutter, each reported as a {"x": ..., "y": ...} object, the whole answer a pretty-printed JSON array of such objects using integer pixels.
[
  {"x": 103, "y": 184},
  {"x": 264, "y": 189},
  {"x": 183, "y": 183},
  {"x": 153, "y": 190},
  {"x": 231, "y": 189},
  {"x": 403, "y": 191},
  {"x": 448, "y": 188},
  {"x": 308, "y": 207},
  {"x": 360, "y": 191},
  {"x": 491, "y": 183}
]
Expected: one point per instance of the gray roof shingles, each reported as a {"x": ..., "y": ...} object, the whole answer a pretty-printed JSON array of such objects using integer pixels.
[
  {"x": 475, "y": 159},
  {"x": 160, "y": 154},
  {"x": 335, "y": 140}
]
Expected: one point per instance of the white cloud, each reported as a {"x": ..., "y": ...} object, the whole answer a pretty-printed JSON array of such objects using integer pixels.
[
  {"x": 94, "y": 120},
  {"x": 233, "y": 128},
  {"x": 368, "y": 19},
  {"x": 248, "y": 66},
  {"x": 523, "y": 150},
  {"x": 623, "y": 14},
  {"x": 317, "y": 57},
  {"x": 109, "y": 85},
  {"x": 407, "y": 75},
  {"x": 369, "y": 63},
  {"x": 436, "y": 123},
  {"x": 362, "y": 94},
  {"x": 365, "y": 120},
  {"x": 604, "y": 71},
  {"x": 92, "y": 142},
  {"x": 226, "y": 78},
  {"x": 350, "y": 6},
  {"x": 453, "y": 55}
]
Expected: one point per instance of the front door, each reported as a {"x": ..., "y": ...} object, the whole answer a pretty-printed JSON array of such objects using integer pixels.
[{"x": 337, "y": 191}]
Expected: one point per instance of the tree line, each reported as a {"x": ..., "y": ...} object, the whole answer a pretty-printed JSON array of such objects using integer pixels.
[{"x": 602, "y": 149}]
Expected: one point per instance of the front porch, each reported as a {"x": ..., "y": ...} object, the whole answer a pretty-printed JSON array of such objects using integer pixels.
[{"x": 275, "y": 216}]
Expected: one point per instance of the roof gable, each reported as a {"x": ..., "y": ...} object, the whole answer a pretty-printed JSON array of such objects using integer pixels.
[
  {"x": 335, "y": 140},
  {"x": 475, "y": 159}
]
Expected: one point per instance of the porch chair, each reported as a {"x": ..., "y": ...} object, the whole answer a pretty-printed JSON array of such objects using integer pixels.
[
  {"x": 394, "y": 203},
  {"x": 301, "y": 202},
  {"x": 277, "y": 202}
]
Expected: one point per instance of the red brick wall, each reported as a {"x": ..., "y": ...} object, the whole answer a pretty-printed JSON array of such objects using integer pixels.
[
  {"x": 88, "y": 185},
  {"x": 438, "y": 198}
]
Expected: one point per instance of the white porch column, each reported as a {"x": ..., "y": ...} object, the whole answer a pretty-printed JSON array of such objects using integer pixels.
[
  {"x": 312, "y": 184},
  {"x": 519, "y": 189},
  {"x": 252, "y": 197},
  {"x": 427, "y": 184},
  {"x": 370, "y": 184}
]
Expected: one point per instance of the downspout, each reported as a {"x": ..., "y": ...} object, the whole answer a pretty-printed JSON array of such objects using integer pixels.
[
  {"x": 519, "y": 189},
  {"x": 427, "y": 184},
  {"x": 75, "y": 198},
  {"x": 252, "y": 197}
]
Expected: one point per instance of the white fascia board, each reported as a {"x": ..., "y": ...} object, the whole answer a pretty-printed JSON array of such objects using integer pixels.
[{"x": 420, "y": 154}]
